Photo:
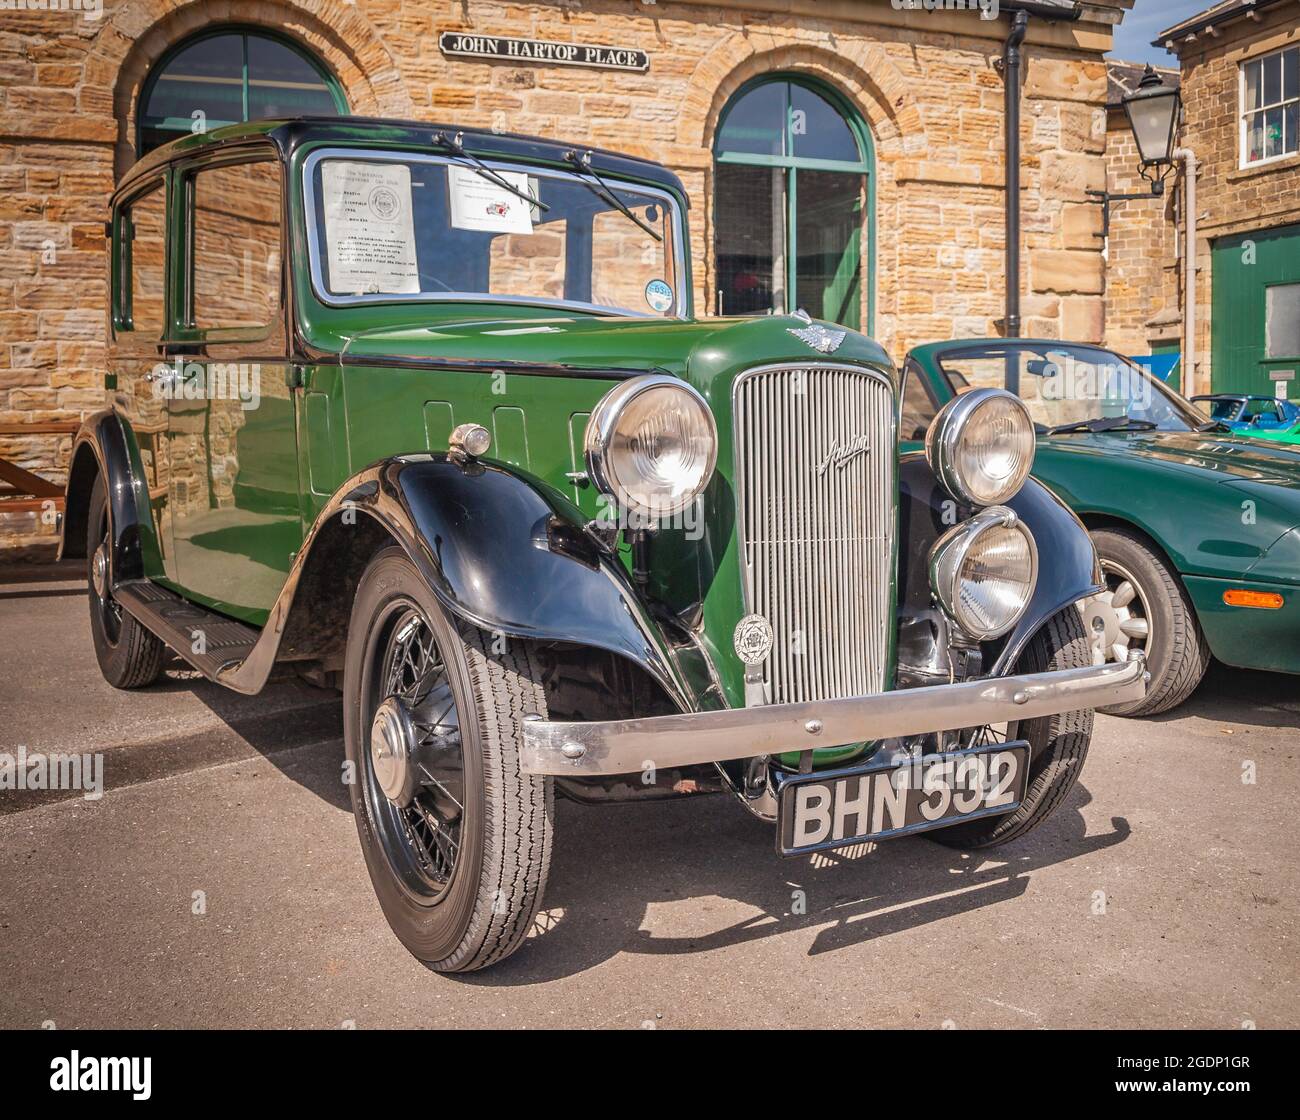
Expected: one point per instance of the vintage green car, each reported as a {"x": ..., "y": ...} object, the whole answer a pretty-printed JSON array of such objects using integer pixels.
[
  {"x": 428, "y": 416},
  {"x": 1197, "y": 527}
]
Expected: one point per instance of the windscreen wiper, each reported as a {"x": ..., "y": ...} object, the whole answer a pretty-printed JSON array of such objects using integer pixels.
[
  {"x": 1212, "y": 426},
  {"x": 455, "y": 145},
  {"x": 1104, "y": 424},
  {"x": 603, "y": 190}
]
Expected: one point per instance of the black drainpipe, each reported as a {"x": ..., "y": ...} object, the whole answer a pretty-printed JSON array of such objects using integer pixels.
[{"x": 1011, "y": 93}]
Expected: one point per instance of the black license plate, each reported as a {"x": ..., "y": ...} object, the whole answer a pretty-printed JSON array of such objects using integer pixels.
[{"x": 836, "y": 808}]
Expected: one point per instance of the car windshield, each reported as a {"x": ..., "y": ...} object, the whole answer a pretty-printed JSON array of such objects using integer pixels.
[
  {"x": 1076, "y": 386},
  {"x": 1220, "y": 409},
  {"x": 384, "y": 227}
]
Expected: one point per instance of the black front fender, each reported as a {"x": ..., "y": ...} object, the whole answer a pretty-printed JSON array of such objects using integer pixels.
[
  {"x": 507, "y": 553},
  {"x": 1067, "y": 561}
]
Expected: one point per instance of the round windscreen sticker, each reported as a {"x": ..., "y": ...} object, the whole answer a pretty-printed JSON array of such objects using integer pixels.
[{"x": 659, "y": 295}]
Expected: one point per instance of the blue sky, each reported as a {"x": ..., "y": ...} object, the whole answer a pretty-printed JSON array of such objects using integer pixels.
[{"x": 1147, "y": 19}]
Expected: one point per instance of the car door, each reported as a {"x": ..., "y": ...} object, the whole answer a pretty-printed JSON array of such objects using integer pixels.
[
  {"x": 234, "y": 458},
  {"x": 138, "y": 374}
]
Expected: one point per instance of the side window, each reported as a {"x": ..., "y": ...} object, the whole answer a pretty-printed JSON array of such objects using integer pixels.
[
  {"x": 235, "y": 246},
  {"x": 142, "y": 232},
  {"x": 917, "y": 411}
]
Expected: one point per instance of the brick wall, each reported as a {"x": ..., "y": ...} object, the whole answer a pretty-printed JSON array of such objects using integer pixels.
[
  {"x": 925, "y": 82},
  {"x": 1231, "y": 199},
  {"x": 1143, "y": 289}
]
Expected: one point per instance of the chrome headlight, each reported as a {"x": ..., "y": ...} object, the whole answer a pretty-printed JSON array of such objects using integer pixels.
[
  {"x": 981, "y": 446},
  {"x": 983, "y": 572},
  {"x": 651, "y": 445}
]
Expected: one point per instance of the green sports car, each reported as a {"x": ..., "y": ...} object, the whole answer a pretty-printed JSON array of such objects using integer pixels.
[
  {"x": 1197, "y": 527},
  {"x": 1289, "y": 435}
]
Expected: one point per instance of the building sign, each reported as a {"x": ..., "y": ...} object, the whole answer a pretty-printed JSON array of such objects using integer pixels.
[{"x": 463, "y": 44}]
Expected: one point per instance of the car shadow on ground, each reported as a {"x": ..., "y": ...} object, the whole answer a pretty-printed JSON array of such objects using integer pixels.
[
  {"x": 611, "y": 864},
  {"x": 1241, "y": 696}
]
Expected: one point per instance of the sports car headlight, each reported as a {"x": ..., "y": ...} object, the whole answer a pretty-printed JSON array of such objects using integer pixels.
[
  {"x": 983, "y": 572},
  {"x": 651, "y": 445},
  {"x": 981, "y": 446}
]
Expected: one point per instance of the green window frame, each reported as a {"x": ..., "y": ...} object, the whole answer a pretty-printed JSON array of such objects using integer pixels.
[
  {"x": 183, "y": 126},
  {"x": 793, "y": 164}
]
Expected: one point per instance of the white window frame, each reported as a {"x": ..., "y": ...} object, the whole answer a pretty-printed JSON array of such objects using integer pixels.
[{"x": 1243, "y": 112}]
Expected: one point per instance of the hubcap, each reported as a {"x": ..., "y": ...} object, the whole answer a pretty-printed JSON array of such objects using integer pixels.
[
  {"x": 1117, "y": 619},
  {"x": 99, "y": 570},
  {"x": 392, "y": 739}
]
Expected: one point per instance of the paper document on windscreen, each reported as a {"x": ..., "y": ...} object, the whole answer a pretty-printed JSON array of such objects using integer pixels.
[
  {"x": 369, "y": 231},
  {"x": 480, "y": 204}
]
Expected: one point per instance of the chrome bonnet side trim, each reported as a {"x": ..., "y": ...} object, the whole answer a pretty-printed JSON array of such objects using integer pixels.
[{"x": 626, "y": 746}]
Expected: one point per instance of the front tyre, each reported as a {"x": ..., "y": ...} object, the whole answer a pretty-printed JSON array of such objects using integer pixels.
[
  {"x": 1057, "y": 744},
  {"x": 1144, "y": 608},
  {"x": 457, "y": 841}
]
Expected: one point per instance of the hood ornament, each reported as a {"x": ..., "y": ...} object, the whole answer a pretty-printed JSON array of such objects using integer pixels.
[{"x": 820, "y": 338}]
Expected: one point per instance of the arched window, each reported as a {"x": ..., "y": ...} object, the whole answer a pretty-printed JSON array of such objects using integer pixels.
[
  {"x": 231, "y": 75},
  {"x": 793, "y": 195}
]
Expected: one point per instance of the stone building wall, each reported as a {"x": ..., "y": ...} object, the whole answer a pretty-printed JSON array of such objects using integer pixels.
[
  {"x": 926, "y": 83},
  {"x": 1143, "y": 288},
  {"x": 1231, "y": 199}
]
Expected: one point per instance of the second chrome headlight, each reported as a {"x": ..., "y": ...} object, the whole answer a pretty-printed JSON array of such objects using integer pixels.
[
  {"x": 981, "y": 446},
  {"x": 983, "y": 572},
  {"x": 652, "y": 444}
]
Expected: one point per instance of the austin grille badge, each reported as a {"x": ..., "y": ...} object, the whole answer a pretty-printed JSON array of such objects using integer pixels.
[
  {"x": 753, "y": 639},
  {"x": 842, "y": 454},
  {"x": 820, "y": 338}
]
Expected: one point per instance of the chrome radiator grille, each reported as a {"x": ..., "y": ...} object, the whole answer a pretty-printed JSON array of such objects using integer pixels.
[{"x": 815, "y": 454}]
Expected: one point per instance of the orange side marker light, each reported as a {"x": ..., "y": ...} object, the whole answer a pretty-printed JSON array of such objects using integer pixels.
[{"x": 1240, "y": 597}]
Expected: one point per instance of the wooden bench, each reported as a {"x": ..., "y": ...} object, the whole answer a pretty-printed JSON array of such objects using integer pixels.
[{"x": 23, "y": 491}]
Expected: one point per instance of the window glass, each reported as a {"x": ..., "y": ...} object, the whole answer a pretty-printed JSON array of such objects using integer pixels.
[
  {"x": 230, "y": 77},
  {"x": 1282, "y": 321},
  {"x": 751, "y": 215},
  {"x": 1271, "y": 106},
  {"x": 828, "y": 224},
  {"x": 441, "y": 228},
  {"x": 917, "y": 410},
  {"x": 236, "y": 256},
  {"x": 818, "y": 130},
  {"x": 791, "y": 190},
  {"x": 756, "y": 122},
  {"x": 1062, "y": 383},
  {"x": 282, "y": 83},
  {"x": 143, "y": 232}
]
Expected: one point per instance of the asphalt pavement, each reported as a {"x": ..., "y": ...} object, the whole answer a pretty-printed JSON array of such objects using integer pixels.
[{"x": 218, "y": 882}]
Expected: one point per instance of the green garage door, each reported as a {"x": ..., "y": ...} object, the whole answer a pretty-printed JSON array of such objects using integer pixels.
[{"x": 1256, "y": 311}]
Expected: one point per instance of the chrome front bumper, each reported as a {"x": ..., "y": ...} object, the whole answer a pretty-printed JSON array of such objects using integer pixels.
[{"x": 625, "y": 746}]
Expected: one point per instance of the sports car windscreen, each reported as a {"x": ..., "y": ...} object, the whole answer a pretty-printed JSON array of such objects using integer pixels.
[
  {"x": 450, "y": 228},
  {"x": 1069, "y": 387}
]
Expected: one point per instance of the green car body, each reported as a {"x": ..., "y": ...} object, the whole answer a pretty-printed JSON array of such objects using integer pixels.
[
  {"x": 271, "y": 493},
  {"x": 1223, "y": 507},
  {"x": 1289, "y": 435}
]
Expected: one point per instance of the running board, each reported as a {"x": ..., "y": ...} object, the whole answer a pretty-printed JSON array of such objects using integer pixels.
[{"x": 218, "y": 647}]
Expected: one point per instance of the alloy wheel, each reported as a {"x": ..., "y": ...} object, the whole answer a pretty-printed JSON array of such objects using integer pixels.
[{"x": 1118, "y": 619}]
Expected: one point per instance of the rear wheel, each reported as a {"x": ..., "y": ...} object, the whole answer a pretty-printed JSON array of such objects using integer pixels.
[
  {"x": 129, "y": 656},
  {"x": 1057, "y": 744},
  {"x": 1144, "y": 608},
  {"x": 456, "y": 840}
]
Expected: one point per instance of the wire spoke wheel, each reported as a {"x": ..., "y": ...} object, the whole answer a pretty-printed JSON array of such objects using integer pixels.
[{"x": 414, "y": 769}]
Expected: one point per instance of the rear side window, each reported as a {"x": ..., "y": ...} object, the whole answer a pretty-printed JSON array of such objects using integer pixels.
[
  {"x": 142, "y": 226},
  {"x": 235, "y": 256},
  {"x": 918, "y": 410}
]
